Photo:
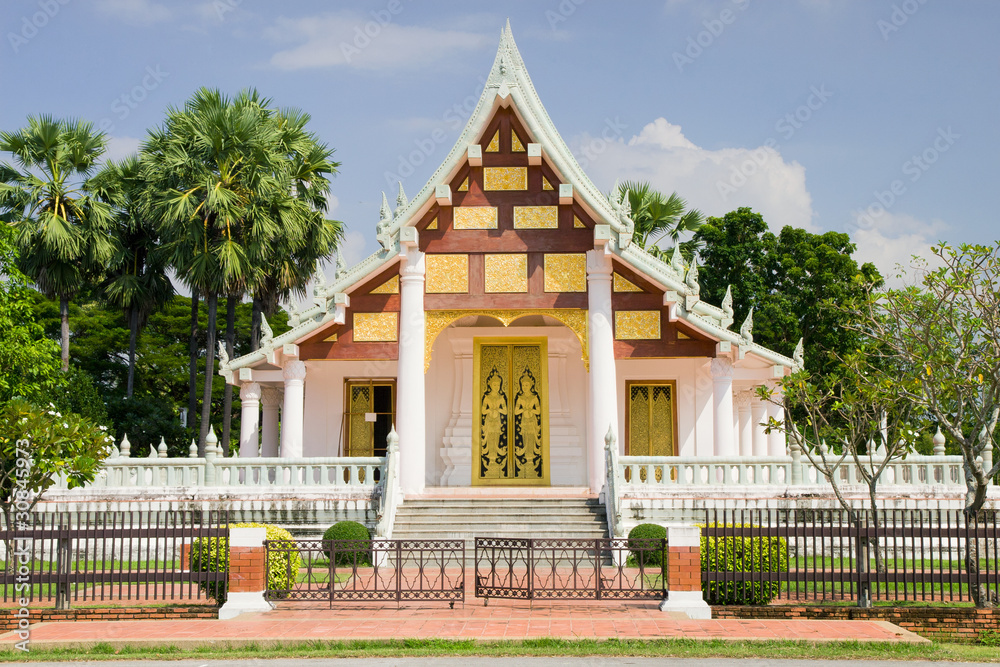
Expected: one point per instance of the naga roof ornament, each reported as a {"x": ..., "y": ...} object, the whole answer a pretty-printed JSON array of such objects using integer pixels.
[{"x": 746, "y": 329}]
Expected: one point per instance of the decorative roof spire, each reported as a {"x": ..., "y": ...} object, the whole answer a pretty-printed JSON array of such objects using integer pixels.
[
  {"x": 266, "y": 335},
  {"x": 746, "y": 329},
  {"x": 401, "y": 200},
  {"x": 798, "y": 356},
  {"x": 293, "y": 313},
  {"x": 727, "y": 302},
  {"x": 691, "y": 280},
  {"x": 223, "y": 357},
  {"x": 320, "y": 278},
  {"x": 384, "y": 221},
  {"x": 507, "y": 60},
  {"x": 384, "y": 214},
  {"x": 341, "y": 264},
  {"x": 677, "y": 261}
]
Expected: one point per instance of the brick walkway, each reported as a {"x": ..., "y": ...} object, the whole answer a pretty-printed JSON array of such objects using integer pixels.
[{"x": 500, "y": 620}]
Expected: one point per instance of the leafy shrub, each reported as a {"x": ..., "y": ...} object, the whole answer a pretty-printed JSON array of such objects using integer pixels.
[
  {"x": 742, "y": 554},
  {"x": 641, "y": 550},
  {"x": 211, "y": 554},
  {"x": 358, "y": 550}
]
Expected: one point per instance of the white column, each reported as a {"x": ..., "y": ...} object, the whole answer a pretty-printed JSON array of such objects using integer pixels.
[
  {"x": 292, "y": 414},
  {"x": 722, "y": 405},
  {"x": 776, "y": 438},
  {"x": 759, "y": 416},
  {"x": 271, "y": 402},
  {"x": 742, "y": 401},
  {"x": 410, "y": 384},
  {"x": 249, "y": 419},
  {"x": 603, "y": 380}
]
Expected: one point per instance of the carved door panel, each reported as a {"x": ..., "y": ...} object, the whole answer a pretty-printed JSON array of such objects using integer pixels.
[{"x": 511, "y": 434}]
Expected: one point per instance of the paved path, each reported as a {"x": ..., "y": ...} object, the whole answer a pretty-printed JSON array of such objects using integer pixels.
[{"x": 500, "y": 620}]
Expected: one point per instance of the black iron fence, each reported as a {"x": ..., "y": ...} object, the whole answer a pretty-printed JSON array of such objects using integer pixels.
[
  {"x": 102, "y": 556},
  {"x": 570, "y": 568},
  {"x": 366, "y": 570},
  {"x": 755, "y": 556}
]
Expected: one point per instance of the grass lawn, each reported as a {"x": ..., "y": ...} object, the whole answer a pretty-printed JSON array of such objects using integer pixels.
[{"x": 680, "y": 648}]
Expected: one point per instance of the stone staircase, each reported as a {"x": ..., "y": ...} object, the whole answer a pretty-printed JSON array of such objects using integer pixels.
[{"x": 468, "y": 518}]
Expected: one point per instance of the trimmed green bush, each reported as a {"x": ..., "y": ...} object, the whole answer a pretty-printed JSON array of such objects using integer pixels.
[
  {"x": 742, "y": 554},
  {"x": 359, "y": 551},
  {"x": 211, "y": 554},
  {"x": 643, "y": 552}
]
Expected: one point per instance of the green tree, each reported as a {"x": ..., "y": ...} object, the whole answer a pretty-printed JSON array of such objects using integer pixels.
[
  {"x": 62, "y": 229},
  {"x": 660, "y": 217},
  {"x": 136, "y": 280}
]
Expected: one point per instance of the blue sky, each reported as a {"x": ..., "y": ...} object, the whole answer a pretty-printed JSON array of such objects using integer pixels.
[{"x": 874, "y": 117}]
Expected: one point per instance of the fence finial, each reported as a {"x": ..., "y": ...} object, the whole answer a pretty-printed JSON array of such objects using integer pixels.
[
  {"x": 152, "y": 453},
  {"x": 193, "y": 449},
  {"x": 938, "y": 443},
  {"x": 162, "y": 449},
  {"x": 392, "y": 440},
  {"x": 211, "y": 443},
  {"x": 609, "y": 438},
  {"x": 126, "y": 447}
]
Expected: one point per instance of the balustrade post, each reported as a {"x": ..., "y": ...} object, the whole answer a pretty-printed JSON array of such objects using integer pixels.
[
  {"x": 211, "y": 442},
  {"x": 796, "y": 463}
]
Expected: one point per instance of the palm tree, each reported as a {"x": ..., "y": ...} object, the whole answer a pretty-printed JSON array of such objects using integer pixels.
[
  {"x": 223, "y": 190},
  {"x": 658, "y": 217},
  {"x": 62, "y": 230},
  {"x": 137, "y": 279}
]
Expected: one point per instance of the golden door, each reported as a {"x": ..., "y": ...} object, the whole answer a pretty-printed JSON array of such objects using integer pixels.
[{"x": 511, "y": 397}]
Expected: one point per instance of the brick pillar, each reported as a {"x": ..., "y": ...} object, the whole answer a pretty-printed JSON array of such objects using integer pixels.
[
  {"x": 684, "y": 573},
  {"x": 247, "y": 573}
]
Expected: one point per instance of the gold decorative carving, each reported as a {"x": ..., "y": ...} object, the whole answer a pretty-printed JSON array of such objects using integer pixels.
[
  {"x": 512, "y": 412},
  {"x": 622, "y": 284},
  {"x": 391, "y": 286},
  {"x": 332, "y": 338},
  {"x": 376, "y": 327},
  {"x": 437, "y": 321},
  {"x": 515, "y": 143},
  {"x": 578, "y": 223},
  {"x": 566, "y": 272},
  {"x": 464, "y": 187},
  {"x": 546, "y": 185},
  {"x": 682, "y": 336},
  {"x": 433, "y": 224},
  {"x": 505, "y": 178},
  {"x": 474, "y": 217},
  {"x": 651, "y": 420},
  {"x": 637, "y": 324},
  {"x": 536, "y": 217},
  {"x": 446, "y": 274},
  {"x": 494, "y": 145},
  {"x": 506, "y": 273}
]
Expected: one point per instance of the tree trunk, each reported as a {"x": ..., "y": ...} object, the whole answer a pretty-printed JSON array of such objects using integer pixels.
[
  {"x": 193, "y": 362},
  {"x": 227, "y": 400},
  {"x": 133, "y": 325},
  {"x": 255, "y": 314},
  {"x": 206, "y": 399},
  {"x": 64, "y": 315}
]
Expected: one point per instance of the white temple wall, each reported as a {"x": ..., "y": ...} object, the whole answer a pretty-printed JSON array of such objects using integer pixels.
[
  {"x": 324, "y": 401},
  {"x": 694, "y": 399}
]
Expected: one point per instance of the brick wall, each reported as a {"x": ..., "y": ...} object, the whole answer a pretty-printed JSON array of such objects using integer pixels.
[
  {"x": 9, "y": 622},
  {"x": 684, "y": 568},
  {"x": 941, "y": 623},
  {"x": 246, "y": 569}
]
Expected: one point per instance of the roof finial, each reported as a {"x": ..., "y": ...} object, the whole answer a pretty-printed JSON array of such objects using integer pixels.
[
  {"x": 746, "y": 329},
  {"x": 320, "y": 280},
  {"x": 384, "y": 215},
  {"x": 727, "y": 302},
  {"x": 677, "y": 261},
  {"x": 382, "y": 228},
  {"x": 401, "y": 200},
  {"x": 293, "y": 313},
  {"x": 223, "y": 357},
  {"x": 798, "y": 356},
  {"x": 266, "y": 335},
  {"x": 691, "y": 280},
  {"x": 341, "y": 264}
]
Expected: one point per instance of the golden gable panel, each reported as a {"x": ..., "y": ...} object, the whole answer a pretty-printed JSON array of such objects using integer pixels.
[
  {"x": 376, "y": 327},
  {"x": 446, "y": 274},
  {"x": 637, "y": 324},
  {"x": 622, "y": 284},
  {"x": 506, "y": 273},
  {"x": 391, "y": 286},
  {"x": 464, "y": 187},
  {"x": 566, "y": 272},
  {"x": 546, "y": 185},
  {"x": 494, "y": 145},
  {"x": 515, "y": 143},
  {"x": 578, "y": 223},
  {"x": 433, "y": 224},
  {"x": 505, "y": 178},
  {"x": 536, "y": 217},
  {"x": 474, "y": 217}
]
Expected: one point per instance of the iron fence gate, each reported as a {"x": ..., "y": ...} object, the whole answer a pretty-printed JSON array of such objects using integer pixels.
[
  {"x": 570, "y": 568},
  {"x": 368, "y": 570}
]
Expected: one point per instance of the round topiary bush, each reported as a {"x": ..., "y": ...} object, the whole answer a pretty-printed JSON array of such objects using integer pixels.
[
  {"x": 211, "y": 554},
  {"x": 353, "y": 544},
  {"x": 759, "y": 553},
  {"x": 645, "y": 544}
]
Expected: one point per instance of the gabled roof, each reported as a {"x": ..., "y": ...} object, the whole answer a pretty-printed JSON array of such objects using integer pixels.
[{"x": 509, "y": 85}]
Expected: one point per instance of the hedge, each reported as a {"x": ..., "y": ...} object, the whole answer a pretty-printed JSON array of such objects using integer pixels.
[
  {"x": 358, "y": 548},
  {"x": 210, "y": 554},
  {"x": 742, "y": 554},
  {"x": 641, "y": 548}
]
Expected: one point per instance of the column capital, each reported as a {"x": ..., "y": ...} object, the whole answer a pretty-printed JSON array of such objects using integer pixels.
[
  {"x": 411, "y": 267},
  {"x": 271, "y": 396},
  {"x": 250, "y": 391},
  {"x": 599, "y": 265},
  {"x": 294, "y": 371},
  {"x": 742, "y": 399},
  {"x": 722, "y": 369}
]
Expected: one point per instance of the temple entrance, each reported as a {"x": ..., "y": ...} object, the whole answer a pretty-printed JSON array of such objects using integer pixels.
[{"x": 511, "y": 423}]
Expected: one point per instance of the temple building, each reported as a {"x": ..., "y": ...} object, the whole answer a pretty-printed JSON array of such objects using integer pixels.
[{"x": 506, "y": 325}]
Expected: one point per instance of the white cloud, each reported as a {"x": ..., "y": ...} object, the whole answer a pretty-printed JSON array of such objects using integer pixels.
[
  {"x": 136, "y": 12},
  {"x": 359, "y": 40},
  {"x": 894, "y": 239},
  {"x": 714, "y": 181}
]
